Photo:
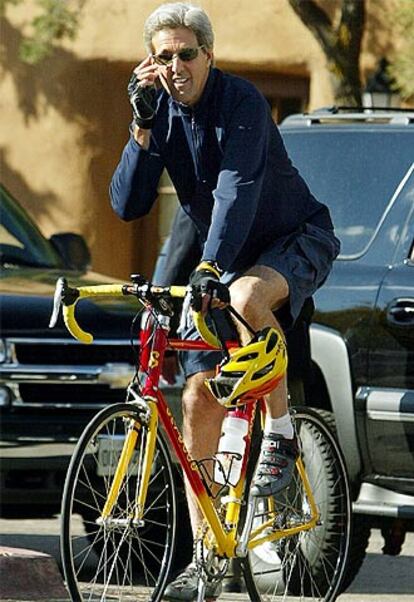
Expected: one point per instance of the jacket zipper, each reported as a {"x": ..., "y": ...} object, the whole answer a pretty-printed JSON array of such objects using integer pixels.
[{"x": 196, "y": 146}]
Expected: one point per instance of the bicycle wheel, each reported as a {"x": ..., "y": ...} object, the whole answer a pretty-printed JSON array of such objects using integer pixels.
[
  {"x": 311, "y": 564},
  {"x": 116, "y": 559}
]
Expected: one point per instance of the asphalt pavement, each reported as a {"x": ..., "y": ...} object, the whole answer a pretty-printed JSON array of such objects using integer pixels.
[{"x": 381, "y": 578}]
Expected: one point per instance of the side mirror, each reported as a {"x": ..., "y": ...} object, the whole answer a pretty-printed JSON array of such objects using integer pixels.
[{"x": 73, "y": 249}]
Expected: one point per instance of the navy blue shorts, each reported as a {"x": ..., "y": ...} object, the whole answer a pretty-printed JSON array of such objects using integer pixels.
[{"x": 304, "y": 258}]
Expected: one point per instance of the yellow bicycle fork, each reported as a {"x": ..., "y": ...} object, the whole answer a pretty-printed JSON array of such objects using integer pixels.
[{"x": 127, "y": 452}]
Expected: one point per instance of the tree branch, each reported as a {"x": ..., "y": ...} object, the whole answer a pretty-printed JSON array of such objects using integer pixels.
[
  {"x": 341, "y": 45},
  {"x": 316, "y": 19}
]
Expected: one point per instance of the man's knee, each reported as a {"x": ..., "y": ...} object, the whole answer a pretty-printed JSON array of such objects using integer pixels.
[
  {"x": 245, "y": 293},
  {"x": 259, "y": 289}
]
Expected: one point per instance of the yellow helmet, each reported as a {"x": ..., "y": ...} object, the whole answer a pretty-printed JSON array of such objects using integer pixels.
[{"x": 251, "y": 371}]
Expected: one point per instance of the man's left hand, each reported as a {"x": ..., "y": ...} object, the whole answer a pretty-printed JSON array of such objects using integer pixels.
[{"x": 207, "y": 290}]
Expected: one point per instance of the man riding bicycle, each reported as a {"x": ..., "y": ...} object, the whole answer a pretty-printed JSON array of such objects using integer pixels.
[{"x": 268, "y": 244}]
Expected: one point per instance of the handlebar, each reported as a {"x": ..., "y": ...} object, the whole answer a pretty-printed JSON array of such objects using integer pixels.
[{"x": 67, "y": 298}]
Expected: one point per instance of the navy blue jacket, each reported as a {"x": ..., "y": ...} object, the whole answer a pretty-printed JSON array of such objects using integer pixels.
[{"x": 229, "y": 166}]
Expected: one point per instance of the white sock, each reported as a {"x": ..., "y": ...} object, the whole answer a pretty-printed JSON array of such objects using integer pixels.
[{"x": 281, "y": 426}]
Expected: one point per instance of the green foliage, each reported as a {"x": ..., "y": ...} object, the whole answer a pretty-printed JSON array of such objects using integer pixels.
[
  {"x": 3, "y": 4},
  {"x": 402, "y": 64},
  {"x": 55, "y": 21}
]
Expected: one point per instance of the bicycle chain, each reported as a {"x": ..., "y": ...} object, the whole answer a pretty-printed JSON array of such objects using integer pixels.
[{"x": 208, "y": 562}]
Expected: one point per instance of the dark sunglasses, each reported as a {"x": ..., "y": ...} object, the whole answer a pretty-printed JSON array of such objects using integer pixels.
[{"x": 186, "y": 55}]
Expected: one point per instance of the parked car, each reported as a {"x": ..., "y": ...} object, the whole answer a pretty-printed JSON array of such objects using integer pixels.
[
  {"x": 50, "y": 385},
  {"x": 361, "y": 164}
]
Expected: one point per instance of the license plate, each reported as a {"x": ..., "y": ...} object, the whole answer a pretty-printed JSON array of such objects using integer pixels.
[{"x": 109, "y": 452}]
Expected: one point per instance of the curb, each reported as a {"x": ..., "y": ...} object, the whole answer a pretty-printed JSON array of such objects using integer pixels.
[{"x": 30, "y": 575}]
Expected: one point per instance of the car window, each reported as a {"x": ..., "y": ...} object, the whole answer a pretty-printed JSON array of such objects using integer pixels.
[
  {"x": 7, "y": 238},
  {"x": 355, "y": 173},
  {"x": 407, "y": 238},
  {"x": 21, "y": 243}
]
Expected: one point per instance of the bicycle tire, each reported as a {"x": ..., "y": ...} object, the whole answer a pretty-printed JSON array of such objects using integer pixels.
[
  {"x": 116, "y": 560},
  {"x": 312, "y": 564}
]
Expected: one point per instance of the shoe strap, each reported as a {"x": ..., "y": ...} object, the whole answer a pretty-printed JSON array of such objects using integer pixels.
[
  {"x": 277, "y": 444},
  {"x": 275, "y": 454}
]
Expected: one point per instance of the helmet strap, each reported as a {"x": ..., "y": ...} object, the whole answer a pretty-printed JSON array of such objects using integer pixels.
[
  {"x": 241, "y": 319},
  {"x": 220, "y": 336}
]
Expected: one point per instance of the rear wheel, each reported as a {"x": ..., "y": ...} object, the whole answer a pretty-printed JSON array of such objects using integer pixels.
[
  {"x": 310, "y": 565},
  {"x": 116, "y": 558}
]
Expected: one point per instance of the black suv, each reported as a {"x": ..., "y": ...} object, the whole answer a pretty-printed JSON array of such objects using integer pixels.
[
  {"x": 361, "y": 164},
  {"x": 50, "y": 385}
]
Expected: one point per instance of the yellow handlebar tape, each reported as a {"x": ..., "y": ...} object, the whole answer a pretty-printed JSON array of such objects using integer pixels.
[
  {"x": 178, "y": 291},
  {"x": 100, "y": 290},
  {"x": 116, "y": 290},
  {"x": 72, "y": 325},
  {"x": 204, "y": 331}
]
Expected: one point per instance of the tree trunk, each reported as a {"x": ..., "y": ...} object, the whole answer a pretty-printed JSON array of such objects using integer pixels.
[
  {"x": 341, "y": 45},
  {"x": 345, "y": 81}
]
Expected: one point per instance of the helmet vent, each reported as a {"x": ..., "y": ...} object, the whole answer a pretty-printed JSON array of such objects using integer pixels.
[
  {"x": 247, "y": 357},
  {"x": 272, "y": 342},
  {"x": 263, "y": 371}
]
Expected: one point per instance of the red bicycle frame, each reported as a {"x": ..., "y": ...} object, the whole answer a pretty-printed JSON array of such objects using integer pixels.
[{"x": 154, "y": 342}]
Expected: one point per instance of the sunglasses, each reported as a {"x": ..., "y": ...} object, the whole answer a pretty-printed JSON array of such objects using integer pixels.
[{"x": 186, "y": 55}]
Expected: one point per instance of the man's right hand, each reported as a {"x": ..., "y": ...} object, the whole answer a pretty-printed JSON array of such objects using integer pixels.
[{"x": 142, "y": 95}]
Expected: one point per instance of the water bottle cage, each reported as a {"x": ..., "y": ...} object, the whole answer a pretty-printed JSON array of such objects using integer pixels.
[
  {"x": 223, "y": 466},
  {"x": 207, "y": 468}
]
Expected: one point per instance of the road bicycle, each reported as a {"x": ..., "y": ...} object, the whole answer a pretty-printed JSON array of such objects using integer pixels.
[{"x": 119, "y": 509}]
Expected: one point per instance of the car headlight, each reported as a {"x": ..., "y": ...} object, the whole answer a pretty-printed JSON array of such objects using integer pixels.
[
  {"x": 3, "y": 351},
  {"x": 5, "y": 397}
]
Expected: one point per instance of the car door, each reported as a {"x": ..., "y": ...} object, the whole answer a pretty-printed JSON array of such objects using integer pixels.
[{"x": 390, "y": 402}]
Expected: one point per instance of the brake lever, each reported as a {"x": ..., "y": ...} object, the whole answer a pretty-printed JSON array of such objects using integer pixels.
[
  {"x": 57, "y": 301},
  {"x": 64, "y": 295}
]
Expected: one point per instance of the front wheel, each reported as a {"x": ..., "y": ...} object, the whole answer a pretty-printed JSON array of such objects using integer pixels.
[
  {"x": 310, "y": 565},
  {"x": 118, "y": 558}
]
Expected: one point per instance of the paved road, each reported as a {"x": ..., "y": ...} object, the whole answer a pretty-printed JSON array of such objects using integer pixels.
[{"x": 381, "y": 579}]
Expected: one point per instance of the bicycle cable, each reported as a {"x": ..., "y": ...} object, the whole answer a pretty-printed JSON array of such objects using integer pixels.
[{"x": 136, "y": 354}]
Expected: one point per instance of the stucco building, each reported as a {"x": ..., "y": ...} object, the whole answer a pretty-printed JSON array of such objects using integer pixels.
[{"x": 65, "y": 121}]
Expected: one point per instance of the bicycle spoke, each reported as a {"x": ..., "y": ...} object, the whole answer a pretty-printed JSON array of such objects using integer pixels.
[
  {"x": 115, "y": 554},
  {"x": 309, "y": 565}
]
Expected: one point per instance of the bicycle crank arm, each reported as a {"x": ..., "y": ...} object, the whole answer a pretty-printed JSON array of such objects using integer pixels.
[{"x": 201, "y": 589}]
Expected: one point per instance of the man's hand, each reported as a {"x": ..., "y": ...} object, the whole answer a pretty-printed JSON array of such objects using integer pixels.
[
  {"x": 207, "y": 290},
  {"x": 142, "y": 95}
]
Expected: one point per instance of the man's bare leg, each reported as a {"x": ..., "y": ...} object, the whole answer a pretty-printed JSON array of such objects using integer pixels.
[
  {"x": 202, "y": 419},
  {"x": 255, "y": 295}
]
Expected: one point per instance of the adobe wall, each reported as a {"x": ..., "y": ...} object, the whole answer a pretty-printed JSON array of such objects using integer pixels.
[{"x": 65, "y": 121}]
